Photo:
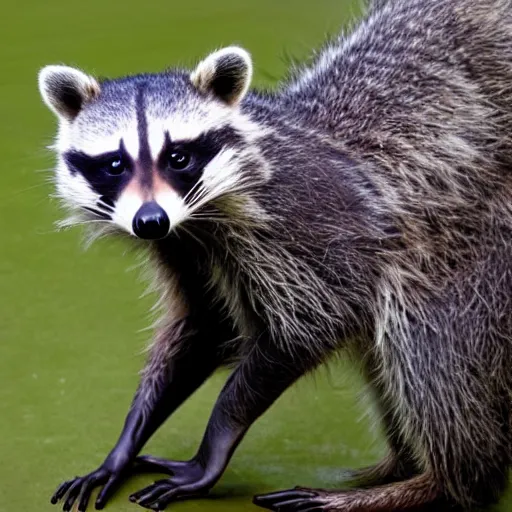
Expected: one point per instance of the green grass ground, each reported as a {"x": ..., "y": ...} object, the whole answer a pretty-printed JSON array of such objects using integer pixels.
[{"x": 70, "y": 322}]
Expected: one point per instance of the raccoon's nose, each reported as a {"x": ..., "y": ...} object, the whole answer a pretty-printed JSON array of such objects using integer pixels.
[{"x": 151, "y": 222}]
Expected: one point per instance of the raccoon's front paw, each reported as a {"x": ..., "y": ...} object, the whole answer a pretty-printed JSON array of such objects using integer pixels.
[
  {"x": 82, "y": 487},
  {"x": 189, "y": 479}
]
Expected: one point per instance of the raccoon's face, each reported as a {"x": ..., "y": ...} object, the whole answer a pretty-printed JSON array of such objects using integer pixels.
[{"x": 144, "y": 153}]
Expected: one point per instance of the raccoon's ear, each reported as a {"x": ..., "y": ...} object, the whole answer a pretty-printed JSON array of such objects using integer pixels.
[
  {"x": 66, "y": 90},
  {"x": 225, "y": 73}
]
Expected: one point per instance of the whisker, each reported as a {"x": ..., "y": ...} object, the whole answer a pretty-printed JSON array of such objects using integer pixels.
[
  {"x": 105, "y": 207},
  {"x": 200, "y": 193},
  {"x": 19, "y": 192},
  {"x": 77, "y": 222},
  {"x": 97, "y": 234},
  {"x": 217, "y": 193},
  {"x": 106, "y": 203},
  {"x": 99, "y": 213},
  {"x": 192, "y": 190},
  {"x": 46, "y": 170}
]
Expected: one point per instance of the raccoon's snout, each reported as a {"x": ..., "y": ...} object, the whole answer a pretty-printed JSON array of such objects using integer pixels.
[{"x": 151, "y": 222}]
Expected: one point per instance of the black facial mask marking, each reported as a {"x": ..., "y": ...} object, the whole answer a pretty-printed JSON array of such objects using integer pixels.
[
  {"x": 182, "y": 163},
  {"x": 107, "y": 173}
]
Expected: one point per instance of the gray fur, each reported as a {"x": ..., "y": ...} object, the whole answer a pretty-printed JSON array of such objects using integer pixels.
[{"x": 371, "y": 210}]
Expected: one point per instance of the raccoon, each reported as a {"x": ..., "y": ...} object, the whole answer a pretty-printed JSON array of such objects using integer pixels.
[{"x": 363, "y": 207}]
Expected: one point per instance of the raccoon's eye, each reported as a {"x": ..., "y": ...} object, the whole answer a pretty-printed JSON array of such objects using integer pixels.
[
  {"x": 115, "y": 166},
  {"x": 179, "y": 160}
]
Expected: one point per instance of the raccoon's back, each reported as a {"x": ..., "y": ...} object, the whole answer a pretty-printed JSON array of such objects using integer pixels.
[
  {"x": 413, "y": 68},
  {"x": 422, "y": 91}
]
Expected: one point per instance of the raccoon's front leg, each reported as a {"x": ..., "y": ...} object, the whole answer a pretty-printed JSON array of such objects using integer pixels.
[
  {"x": 180, "y": 362},
  {"x": 254, "y": 385}
]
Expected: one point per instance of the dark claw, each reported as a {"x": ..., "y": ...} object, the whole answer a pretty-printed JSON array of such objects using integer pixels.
[
  {"x": 73, "y": 493},
  {"x": 159, "y": 495},
  {"x": 107, "y": 491},
  {"x": 61, "y": 490},
  {"x": 80, "y": 489},
  {"x": 283, "y": 495},
  {"x": 295, "y": 506},
  {"x": 163, "y": 492},
  {"x": 86, "y": 494},
  {"x": 140, "y": 495},
  {"x": 292, "y": 500},
  {"x": 166, "y": 498},
  {"x": 151, "y": 497}
]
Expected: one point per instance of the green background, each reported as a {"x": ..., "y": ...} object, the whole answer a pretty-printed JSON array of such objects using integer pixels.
[{"x": 71, "y": 322}]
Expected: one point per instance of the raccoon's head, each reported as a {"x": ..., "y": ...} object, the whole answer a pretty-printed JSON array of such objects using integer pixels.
[{"x": 146, "y": 152}]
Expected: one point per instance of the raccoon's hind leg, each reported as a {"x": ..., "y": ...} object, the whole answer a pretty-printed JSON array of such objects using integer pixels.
[
  {"x": 377, "y": 490},
  {"x": 415, "y": 495},
  {"x": 457, "y": 416},
  {"x": 399, "y": 463}
]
